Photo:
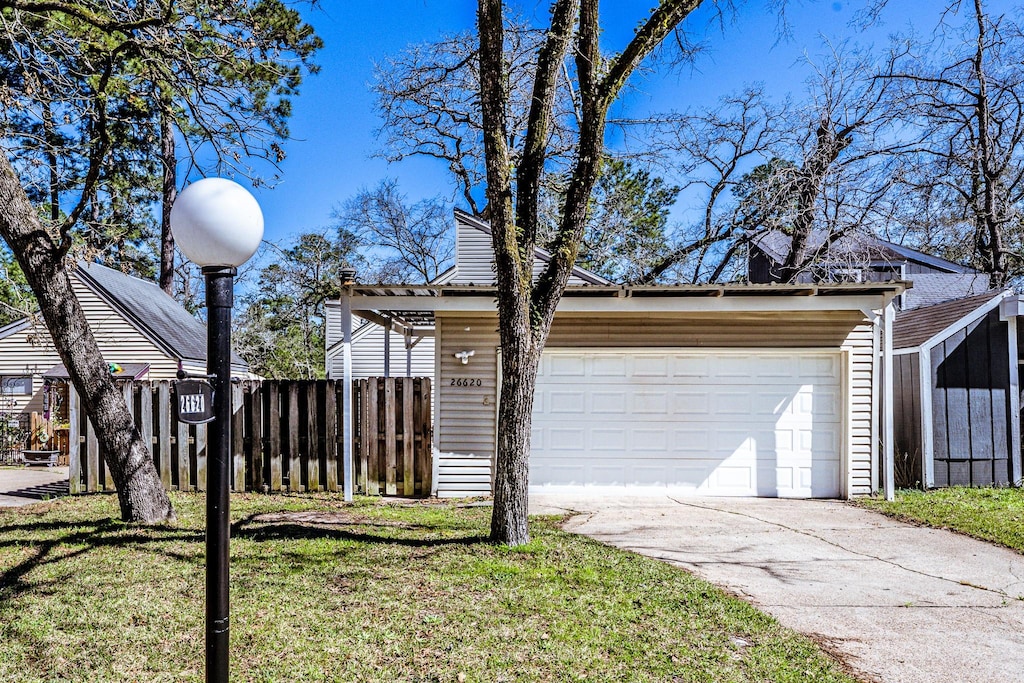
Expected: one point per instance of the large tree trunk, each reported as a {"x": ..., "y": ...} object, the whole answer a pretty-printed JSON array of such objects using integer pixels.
[
  {"x": 515, "y": 414},
  {"x": 139, "y": 490}
]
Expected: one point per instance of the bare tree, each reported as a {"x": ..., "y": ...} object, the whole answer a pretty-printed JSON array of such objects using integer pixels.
[
  {"x": 428, "y": 97},
  {"x": 965, "y": 178},
  {"x": 402, "y": 242},
  {"x": 711, "y": 149}
]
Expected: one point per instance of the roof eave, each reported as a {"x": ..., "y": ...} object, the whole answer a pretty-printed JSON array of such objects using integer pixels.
[{"x": 970, "y": 318}]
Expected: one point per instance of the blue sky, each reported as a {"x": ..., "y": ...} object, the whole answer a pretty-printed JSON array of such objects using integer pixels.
[{"x": 331, "y": 155}]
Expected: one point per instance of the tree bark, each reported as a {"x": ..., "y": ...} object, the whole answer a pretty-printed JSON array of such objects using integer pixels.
[
  {"x": 140, "y": 493},
  {"x": 168, "y": 158}
]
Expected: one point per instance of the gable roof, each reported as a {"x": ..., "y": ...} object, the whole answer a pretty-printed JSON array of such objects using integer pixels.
[
  {"x": 919, "y": 326},
  {"x": 152, "y": 311},
  {"x": 540, "y": 253},
  {"x": 16, "y": 326},
  {"x": 775, "y": 244}
]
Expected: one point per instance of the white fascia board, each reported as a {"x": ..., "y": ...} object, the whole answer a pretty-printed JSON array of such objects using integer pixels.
[
  {"x": 1011, "y": 307},
  {"x": 15, "y": 327},
  {"x": 729, "y": 304},
  {"x": 969, "y": 319}
]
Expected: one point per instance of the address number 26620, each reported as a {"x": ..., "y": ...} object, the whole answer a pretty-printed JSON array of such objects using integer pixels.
[{"x": 466, "y": 382}]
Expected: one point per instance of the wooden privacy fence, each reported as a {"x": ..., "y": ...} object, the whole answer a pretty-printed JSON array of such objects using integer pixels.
[{"x": 287, "y": 436}]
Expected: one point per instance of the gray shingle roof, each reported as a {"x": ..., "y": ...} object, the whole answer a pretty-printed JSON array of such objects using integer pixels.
[
  {"x": 915, "y": 327},
  {"x": 859, "y": 246},
  {"x": 156, "y": 314}
]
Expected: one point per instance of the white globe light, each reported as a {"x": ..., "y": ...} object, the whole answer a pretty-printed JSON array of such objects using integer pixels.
[{"x": 216, "y": 222}]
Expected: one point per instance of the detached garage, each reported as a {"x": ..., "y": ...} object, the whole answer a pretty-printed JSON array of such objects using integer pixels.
[{"x": 740, "y": 390}]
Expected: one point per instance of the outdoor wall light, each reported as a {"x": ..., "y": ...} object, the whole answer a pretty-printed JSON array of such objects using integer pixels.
[
  {"x": 464, "y": 356},
  {"x": 218, "y": 225}
]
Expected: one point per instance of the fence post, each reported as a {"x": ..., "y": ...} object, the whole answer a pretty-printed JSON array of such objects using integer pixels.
[
  {"x": 408, "y": 439},
  {"x": 184, "y": 458},
  {"x": 144, "y": 423},
  {"x": 390, "y": 440},
  {"x": 372, "y": 437},
  {"x": 331, "y": 434},
  {"x": 294, "y": 461},
  {"x": 237, "y": 445},
  {"x": 312, "y": 438},
  {"x": 424, "y": 427},
  {"x": 92, "y": 446},
  {"x": 200, "y": 457},
  {"x": 256, "y": 430},
  {"x": 163, "y": 403},
  {"x": 74, "y": 441},
  {"x": 274, "y": 423}
]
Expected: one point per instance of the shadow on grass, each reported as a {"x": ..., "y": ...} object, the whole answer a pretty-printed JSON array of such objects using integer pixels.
[
  {"x": 49, "y": 546},
  {"x": 51, "y": 543},
  {"x": 389, "y": 534}
]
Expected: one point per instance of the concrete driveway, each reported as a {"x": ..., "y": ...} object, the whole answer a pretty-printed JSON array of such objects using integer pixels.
[
  {"x": 27, "y": 485},
  {"x": 894, "y": 601}
]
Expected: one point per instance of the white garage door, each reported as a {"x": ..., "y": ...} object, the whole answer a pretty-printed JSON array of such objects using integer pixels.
[{"x": 751, "y": 423}]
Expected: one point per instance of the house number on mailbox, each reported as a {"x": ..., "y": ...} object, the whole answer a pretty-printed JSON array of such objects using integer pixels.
[{"x": 195, "y": 401}]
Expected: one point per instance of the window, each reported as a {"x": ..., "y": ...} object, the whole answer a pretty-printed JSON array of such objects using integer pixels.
[{"x": 16, "y": 385}]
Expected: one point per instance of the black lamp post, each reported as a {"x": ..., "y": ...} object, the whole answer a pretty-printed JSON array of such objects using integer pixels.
[{"x": 218, "y": 225}]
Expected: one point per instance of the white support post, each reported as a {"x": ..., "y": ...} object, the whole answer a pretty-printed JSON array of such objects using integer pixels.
[
  {"x": 926, "y": 390},
  {"x": 408, "y": 352},
  {"x": 387, "y": 351},
  {"x": 346, "y": 388},
  {"x": 888, "y": 447},
  {"x": 1014, "y": 436},
  {"x": 876, "y": 367}
]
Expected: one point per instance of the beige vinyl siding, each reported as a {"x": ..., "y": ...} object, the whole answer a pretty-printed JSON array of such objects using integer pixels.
[
  {"x": 368, "y": 356},
  {"x": 466, "y": 415},
  {"x": 27, "y": 352},
  {"x": 119, "y": 340},
  {"x": 474, "y": 257},
  {"x": 860, "y": 344},
  {"x": 332, "y": 323},
  {"x": 368, "y": 349}
]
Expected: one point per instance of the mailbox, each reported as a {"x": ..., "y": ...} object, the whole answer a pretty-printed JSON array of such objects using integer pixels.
[{"x": 195, "y": 401}]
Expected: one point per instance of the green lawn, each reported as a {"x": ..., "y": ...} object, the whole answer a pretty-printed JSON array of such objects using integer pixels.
[
  {"x": 992, "y": 514},
  {"x": 324, "y": 591}
]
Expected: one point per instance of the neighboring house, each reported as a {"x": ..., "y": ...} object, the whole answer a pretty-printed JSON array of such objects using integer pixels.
[
  {"x": 141, "y": 331},
  {"x": 957, "y": 395},
  {"x": 767, "y": 390},
  {"x": 865, "y": 258}
]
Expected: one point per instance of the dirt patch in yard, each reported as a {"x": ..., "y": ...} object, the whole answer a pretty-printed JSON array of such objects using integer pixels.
[{"x": 336, "y": 518}]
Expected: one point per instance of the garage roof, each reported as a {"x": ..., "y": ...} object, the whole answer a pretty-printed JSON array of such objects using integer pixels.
[{"x": 413, "y": 306}]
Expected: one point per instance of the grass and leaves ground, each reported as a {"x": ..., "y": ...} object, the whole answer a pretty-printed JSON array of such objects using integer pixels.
[
  {"x": 370, "y": 591},
  {"x": 991, "y": 514}
]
